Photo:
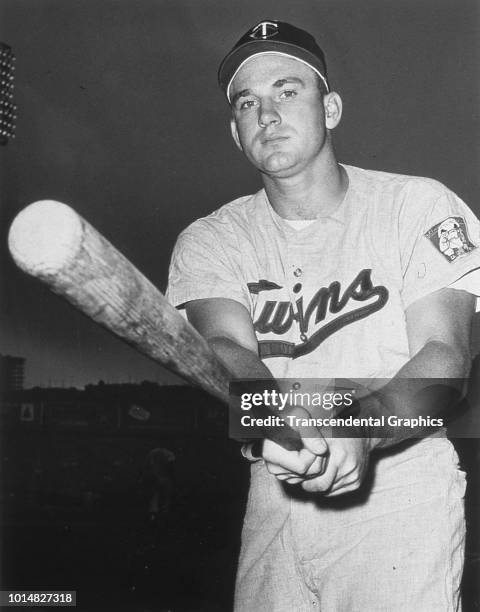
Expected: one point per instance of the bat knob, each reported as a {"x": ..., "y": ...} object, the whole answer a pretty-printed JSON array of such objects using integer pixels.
[{"x": 45, "y": 236}]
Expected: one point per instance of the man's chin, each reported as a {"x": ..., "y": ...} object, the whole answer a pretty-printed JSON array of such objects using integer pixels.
[{"x": 278, "y": 163}]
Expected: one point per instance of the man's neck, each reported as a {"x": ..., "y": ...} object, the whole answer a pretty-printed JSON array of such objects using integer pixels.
[{"x": 312, "y": 193}]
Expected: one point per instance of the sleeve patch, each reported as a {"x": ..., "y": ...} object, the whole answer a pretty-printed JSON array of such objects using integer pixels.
[{"x": 450, "y": 238}]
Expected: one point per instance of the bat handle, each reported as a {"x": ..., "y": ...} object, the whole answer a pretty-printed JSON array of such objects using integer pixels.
[{"x": 289, "y": 439}]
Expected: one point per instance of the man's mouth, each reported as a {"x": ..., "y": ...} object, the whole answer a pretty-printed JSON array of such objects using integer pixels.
[{"x": 273, "y": 139}]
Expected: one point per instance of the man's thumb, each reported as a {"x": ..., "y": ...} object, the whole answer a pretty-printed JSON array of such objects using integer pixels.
[{"x": 317, "y": 446}]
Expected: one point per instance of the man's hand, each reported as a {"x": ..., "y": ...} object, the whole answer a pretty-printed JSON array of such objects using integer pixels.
[
  {"x": 342, "y": 471},
  {"x": 346, "y": 467},
  {"x": 294, "y": 466},
  {"x": 330, "y": 466}
]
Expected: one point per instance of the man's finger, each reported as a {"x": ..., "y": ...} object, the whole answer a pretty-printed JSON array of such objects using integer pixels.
[
  {"x": 342, "y": 489},
  {"x": 312, "y": 438},
  {"x": 289, "y": 461},
  {"x": 294, "y": 480},
  {"x": 322, "y": 484},
  {"x": 316, "y": 445},
  {"x": 316, "y": 469}
]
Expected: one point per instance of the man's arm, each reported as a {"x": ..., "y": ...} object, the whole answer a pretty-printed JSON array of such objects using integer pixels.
[
  {"x": 438, "y": 328},
  {"x": 228, "y": 328},
  {"x": 440, "y": 322}
]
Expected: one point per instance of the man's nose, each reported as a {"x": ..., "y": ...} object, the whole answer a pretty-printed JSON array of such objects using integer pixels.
[{"x": 268, "y": 114}]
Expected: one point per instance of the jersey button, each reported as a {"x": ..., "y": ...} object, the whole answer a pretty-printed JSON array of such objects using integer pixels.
[
  {"x": 298, "y": 272},
  {"x": 296, "y": 386}
]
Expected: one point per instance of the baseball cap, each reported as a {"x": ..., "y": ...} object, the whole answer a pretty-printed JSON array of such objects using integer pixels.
[{"x": 270, "y": 36}]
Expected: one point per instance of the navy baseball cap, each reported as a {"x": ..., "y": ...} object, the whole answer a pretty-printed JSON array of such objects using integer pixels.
[{"x": 270, "y": 36}]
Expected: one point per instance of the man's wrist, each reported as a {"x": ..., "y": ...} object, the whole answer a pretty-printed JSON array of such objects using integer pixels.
[{"x": 408, "y": 410}]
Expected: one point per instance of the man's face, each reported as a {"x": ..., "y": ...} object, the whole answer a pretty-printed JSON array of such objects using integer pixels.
[
  {"x": 449, "y": 233},
  {"x": 278, "y": 114}
]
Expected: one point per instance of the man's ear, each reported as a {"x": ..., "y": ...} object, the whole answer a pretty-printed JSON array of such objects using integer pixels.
[
  {"x": 332, "y": 103},
  {"x": 233, "y": 128}
]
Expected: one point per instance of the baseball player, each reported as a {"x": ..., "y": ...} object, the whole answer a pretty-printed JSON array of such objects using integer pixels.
[{"x": 334, "y": 271}]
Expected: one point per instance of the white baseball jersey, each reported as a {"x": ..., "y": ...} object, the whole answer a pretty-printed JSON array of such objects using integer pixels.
[{"x": 329, "y": 300}]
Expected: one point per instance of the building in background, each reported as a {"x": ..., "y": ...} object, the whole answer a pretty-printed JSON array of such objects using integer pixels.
[{"x": 12, "y": 370}]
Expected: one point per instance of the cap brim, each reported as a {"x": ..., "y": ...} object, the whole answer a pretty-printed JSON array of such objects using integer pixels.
[{"x": 232, "y": 63}]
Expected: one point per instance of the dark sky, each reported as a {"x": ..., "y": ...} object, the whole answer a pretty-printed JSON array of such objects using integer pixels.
[{"x": 119, "y": 115}]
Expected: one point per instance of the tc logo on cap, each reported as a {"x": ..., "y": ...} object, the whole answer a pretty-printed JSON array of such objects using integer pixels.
[{"x": 265, "y": 29}]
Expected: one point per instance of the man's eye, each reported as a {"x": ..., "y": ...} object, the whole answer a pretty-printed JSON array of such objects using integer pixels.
[
  {"x": 247, "y": 104},
  {"x": 288, "y": 94}
]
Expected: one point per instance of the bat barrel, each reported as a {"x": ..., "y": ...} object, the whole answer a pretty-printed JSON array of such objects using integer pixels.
[
  {"x": 50, "y": 241},
  {"x": 44, "y": 237}
]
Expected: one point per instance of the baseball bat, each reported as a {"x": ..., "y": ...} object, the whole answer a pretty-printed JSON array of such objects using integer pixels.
[{"x": 51, "y": 242}]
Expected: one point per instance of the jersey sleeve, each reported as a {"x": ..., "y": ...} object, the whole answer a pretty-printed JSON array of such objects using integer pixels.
[
  {"x": 202, "y": 268},
  {"x": 440, "y": 246}
]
